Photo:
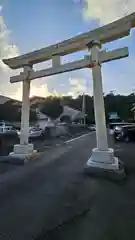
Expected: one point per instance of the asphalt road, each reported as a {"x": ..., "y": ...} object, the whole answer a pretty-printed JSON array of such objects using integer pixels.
[{"x": 53, "y": 198}]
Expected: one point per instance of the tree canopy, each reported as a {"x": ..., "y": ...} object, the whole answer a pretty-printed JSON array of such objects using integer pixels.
[
  {"x": 53, "y": 107},
  {"x": 10, "y": 112},
  {"x": 113, "y": 103}
]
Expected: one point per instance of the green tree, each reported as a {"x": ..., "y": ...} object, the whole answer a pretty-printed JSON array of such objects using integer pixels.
[
  {"x": 10, "y": 112},
  {"x": 52, "y": 107}
]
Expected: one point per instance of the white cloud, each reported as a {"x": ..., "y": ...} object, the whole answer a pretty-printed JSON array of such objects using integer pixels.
[
  {"x": 6, "y": 51},
  {"x": 47, "y": 86},
  {"x": 79, "y": 85},
  {"x": 106, "y": 11},
  {"x": 41, "y": 90},
  {"x": 118, "y": 75}
]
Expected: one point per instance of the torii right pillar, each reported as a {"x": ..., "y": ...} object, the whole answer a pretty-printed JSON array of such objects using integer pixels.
[{"x": 102, "y": 161}]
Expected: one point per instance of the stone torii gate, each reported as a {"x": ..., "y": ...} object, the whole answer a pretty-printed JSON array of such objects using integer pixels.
[{"x": 102, "y": 157}]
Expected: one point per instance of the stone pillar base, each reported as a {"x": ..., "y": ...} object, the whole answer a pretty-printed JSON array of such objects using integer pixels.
[
  {"x": 22, "y": 151},
  {"x": 103, "y": 159},
  {"x": 105, "y": 164}
]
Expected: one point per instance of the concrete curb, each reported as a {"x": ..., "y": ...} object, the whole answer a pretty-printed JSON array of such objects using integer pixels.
[{"x": 19, "y": 161}]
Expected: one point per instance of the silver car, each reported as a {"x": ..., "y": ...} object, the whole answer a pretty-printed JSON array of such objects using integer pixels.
[
  {"x": 7, "y": 130},
  {"x": 34, "y": 132}
]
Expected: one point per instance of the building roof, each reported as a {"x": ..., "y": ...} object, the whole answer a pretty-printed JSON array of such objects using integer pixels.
[
  {"x": 33, "y": 100},
  {"x": 14, "y": 102},
  {"x": 4, "y": 99},
  {"x": 36, "y": 100},
  {"x": 42, "y": 116},
  {"x": 73, "y": 113}
]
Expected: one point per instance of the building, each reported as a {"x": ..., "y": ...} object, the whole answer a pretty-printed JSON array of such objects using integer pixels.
[
  {"x": 71, "y": 114},
  {"x": 36, "y": 101},
  {"x": 35, "y": 104},
  {"x": 4, "y": 99},
  {"x": 43, "y": 120}
]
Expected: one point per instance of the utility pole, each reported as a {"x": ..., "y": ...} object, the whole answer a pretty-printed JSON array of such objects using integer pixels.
[{"x": 83, "y": 108}]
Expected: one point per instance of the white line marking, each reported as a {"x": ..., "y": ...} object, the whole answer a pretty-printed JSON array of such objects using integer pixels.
[
  {"x": 84, "y": 135},
  {"x": 118, "y": 150}
]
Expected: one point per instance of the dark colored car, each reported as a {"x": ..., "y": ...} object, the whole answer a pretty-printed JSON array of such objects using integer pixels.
[
  {"x": 124, "y": 133},
  {"x": 120, "y": 124}
]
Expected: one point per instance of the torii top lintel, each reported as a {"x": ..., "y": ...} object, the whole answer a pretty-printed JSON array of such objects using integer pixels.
[{"x": 107, "y": 33}]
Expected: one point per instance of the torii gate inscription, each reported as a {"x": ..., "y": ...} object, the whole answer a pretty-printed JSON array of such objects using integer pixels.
[{"x": 102, "y": 157}]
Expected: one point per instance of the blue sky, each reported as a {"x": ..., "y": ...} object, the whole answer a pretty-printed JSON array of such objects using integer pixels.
[
  {"x": 37, "y": 23},
  {"x": 43, "y": 22}
]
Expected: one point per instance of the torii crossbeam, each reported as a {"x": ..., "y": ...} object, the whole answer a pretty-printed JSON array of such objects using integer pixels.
[{"x": 102, "y": 156}]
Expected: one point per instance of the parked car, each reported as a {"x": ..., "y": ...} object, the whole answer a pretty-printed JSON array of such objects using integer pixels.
[
  {"x": 113, "y": 126},
  {"x": 8, "y": 130},
  {"x": 124, "y": 133},
  {"x": 34, "y": 132},
  {"x": 92, "y": 127}
]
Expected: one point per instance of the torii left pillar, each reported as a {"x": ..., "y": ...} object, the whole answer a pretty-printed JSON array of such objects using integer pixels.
[{"x": 24, "y": 149}]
